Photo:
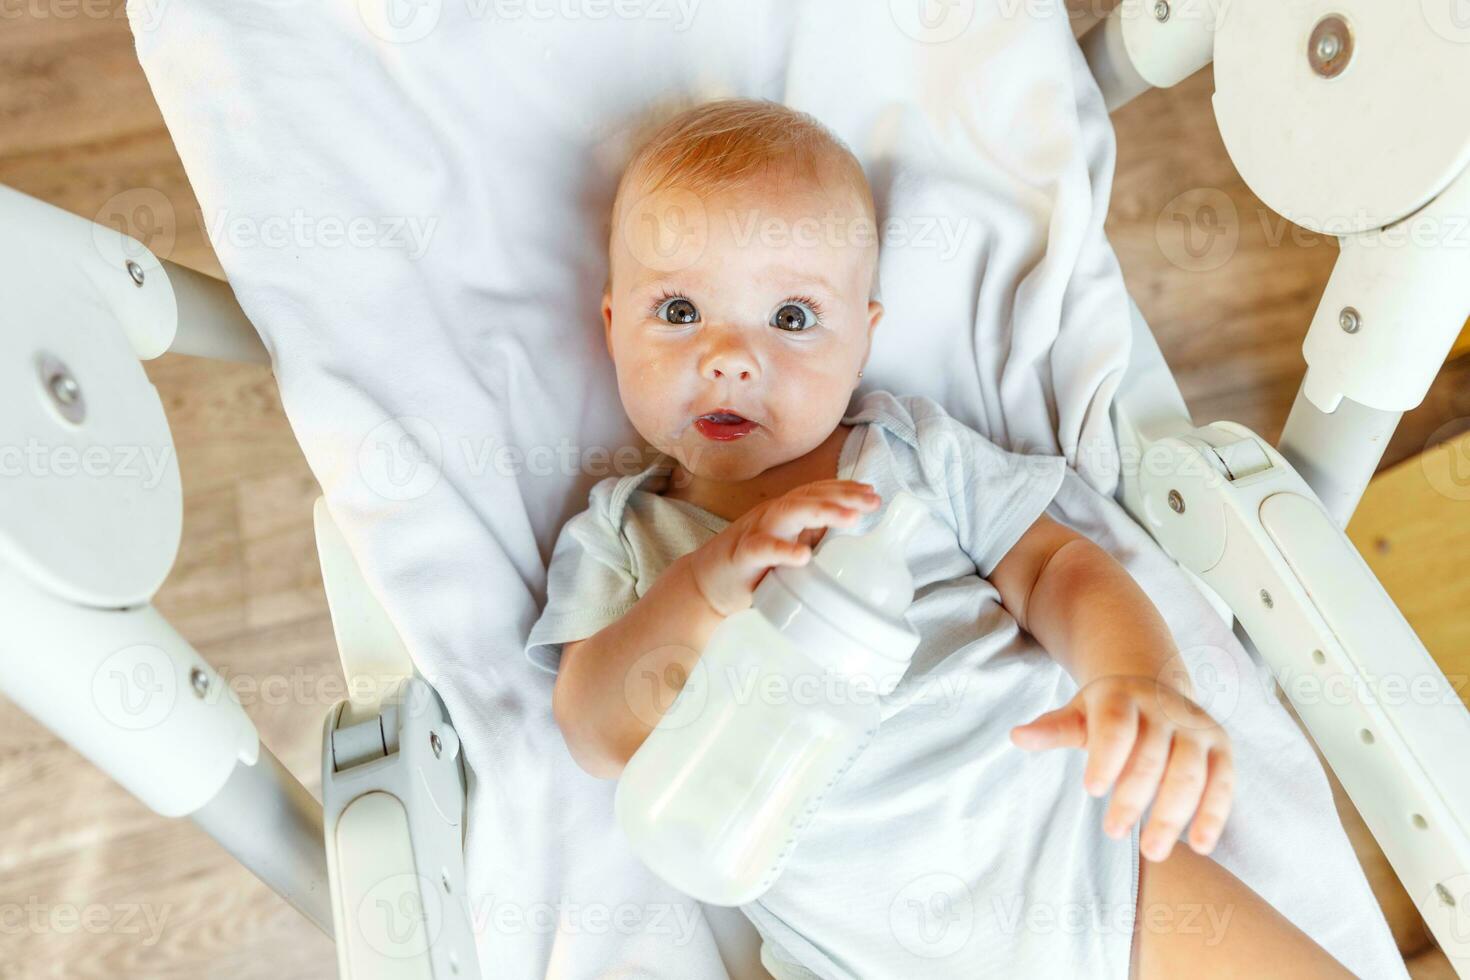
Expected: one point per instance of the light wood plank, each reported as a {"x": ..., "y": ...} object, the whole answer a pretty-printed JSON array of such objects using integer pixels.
[{"x": 1413, "y": 527}]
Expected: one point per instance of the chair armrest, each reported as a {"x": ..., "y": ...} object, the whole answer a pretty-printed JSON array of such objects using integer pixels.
[{"x": 1231, "y": 509}]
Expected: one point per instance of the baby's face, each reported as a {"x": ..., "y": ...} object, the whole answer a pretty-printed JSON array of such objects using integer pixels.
[{"x": 753, "y": 301}]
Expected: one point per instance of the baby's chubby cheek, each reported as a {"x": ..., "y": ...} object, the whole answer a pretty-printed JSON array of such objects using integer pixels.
[
  {"x": 650, "y": 393},
  {"x": 651, "y": 400}
]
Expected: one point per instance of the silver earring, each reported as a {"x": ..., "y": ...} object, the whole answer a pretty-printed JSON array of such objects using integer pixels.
[{"x": 860, "y": 374}]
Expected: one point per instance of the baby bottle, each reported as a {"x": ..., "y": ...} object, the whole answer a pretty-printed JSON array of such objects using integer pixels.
[{"x": 780, "y": 703}]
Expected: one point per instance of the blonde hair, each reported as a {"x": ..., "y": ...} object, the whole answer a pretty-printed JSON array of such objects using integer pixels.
[{"x": 726, "y": 143}]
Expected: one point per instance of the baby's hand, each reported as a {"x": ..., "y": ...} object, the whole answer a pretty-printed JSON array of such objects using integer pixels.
[
  {"x": 1161, "y": 735},
  {"x": 782, "y": 531}
]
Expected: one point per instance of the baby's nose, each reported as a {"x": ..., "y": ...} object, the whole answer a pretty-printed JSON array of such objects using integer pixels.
[{"x": 730, "y": 363}]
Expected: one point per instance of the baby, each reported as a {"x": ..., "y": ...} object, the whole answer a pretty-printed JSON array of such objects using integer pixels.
[{"x": 739, "y": 315}]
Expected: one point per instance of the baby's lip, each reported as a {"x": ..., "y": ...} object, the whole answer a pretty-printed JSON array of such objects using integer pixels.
[{"x": 726, "y": 415}]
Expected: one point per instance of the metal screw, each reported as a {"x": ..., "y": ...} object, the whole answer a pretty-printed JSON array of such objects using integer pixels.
[
  {"x": 62, "y": 388},
  {"x": 199, "y": 681},
  {"x": 1266, "y": 598},
  {"x": 1161, "y": 11},
  {"x": 1330, "y": 47},
  {"x": 136, "y": 271},
  {"x": 1176, "y": 502},
  {"x": 1349, "y": 319},
  {"x": 435, "y": 744}
]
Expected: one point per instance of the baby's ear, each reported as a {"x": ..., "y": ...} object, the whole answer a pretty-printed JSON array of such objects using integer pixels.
[
  {"x": 607, "y": 320},
  {"x": 875, "y": 313}
]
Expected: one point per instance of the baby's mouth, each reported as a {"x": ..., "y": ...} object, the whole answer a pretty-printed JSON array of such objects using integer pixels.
[{"x": 722, "y": 426}]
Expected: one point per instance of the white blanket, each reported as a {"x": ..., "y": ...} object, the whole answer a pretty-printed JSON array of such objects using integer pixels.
[{"x": 410, "y": 198}]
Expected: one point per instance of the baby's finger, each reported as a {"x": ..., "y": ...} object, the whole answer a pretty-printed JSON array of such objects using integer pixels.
[
  {"x": 1139, "y": 779},
  {"x": 757, "y": 551},
  {"x": 812, "y": 536},
  {"x": 1179, "y": 794},
  {"x": 820, "y": 487},
  {"x": 1112, "y": 727},
  {"x": 840, "y": 491},
  {"x": 847, "y": 492},
  {"x": 1063, "y": 728},
  {"x": 1214, "y": 808},
  {"x": 788, "y": 518}
]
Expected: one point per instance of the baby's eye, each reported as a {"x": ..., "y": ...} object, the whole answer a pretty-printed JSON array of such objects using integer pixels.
[
  {"x": 795, "y": 316},
  {"x": 677, "y": 309}
]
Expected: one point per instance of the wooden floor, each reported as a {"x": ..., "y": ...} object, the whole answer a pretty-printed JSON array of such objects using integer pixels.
[{"x": 79, "y": 128}]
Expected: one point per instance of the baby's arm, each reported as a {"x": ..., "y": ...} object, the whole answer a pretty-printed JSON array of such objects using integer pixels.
[
  {"x": 1094, "y": 619},
  {"x": 1133, "y": 712},
  {"x": 613, "y": 687}
]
